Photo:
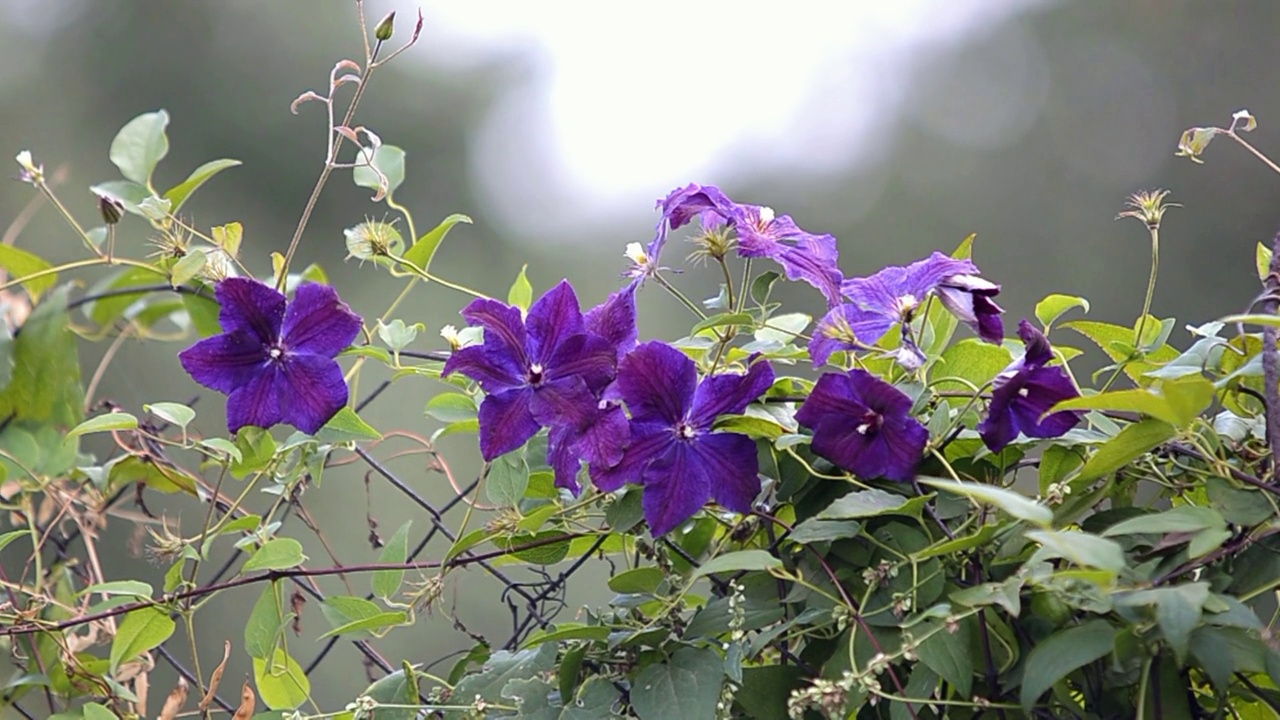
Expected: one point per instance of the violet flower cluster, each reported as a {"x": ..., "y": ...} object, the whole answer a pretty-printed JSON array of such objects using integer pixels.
[{"x": 641, "y": 414}]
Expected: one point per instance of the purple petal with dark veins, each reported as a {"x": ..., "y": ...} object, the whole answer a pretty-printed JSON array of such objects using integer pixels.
[
  {"x": 563, "y": 458},
  {"x": 318, "y": 322},
  {"x": 801, "y": 264},
  {"x": 730, "y": 461},
  {"x": 504, "y": 331},
  {"x": 589, "y": 356},
  {"x": 314, "y": 391},
  {"x": 867, "y": 327},
  {"x": 863, "y": 425},
  {"x": 924, "y": 275},
  {"x": 1038, "y": 350},
  {"x": 676, "y": 486},
  {"x": 257, "y": 403},
  {"x": 657, "y": 382},
  {"x": 1045, "y": 387},
  {"x": 728, "y": 394},
  {"x": 648, "y": 440},
  {"x": 615, "y": 320},
  {"x": 251, "y": 306},
  {"x": 495, "y": 371},
  {"x": 225, "y": 362},
  {"x": 505, "y": 422},
  {"x": 552, "y": 319},
  {"x": 567, "y": 400}
]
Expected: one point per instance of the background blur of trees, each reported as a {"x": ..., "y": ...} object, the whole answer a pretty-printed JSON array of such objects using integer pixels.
[{"x": 1092, "y": 96}]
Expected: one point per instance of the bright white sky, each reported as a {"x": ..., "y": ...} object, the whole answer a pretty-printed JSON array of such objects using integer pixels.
[{"x": 620, "y": 102}]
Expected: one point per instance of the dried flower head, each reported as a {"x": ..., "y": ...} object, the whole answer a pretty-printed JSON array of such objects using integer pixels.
[{"x": 1148, "y": 206}]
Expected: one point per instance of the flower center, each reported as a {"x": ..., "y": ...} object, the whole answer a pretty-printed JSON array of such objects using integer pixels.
[
  {"x": 1022, "y": 392},
  {"x": 871, "y": 422},
  {"x": 905, "y": 305},
  {"x": 535, "y": 373},
  {"x": 685, "y": 431},
  {"x": 276, "y": 352}
]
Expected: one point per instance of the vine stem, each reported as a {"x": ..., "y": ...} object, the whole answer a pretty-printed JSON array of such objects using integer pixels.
[{"x": 1271, "y": 355}]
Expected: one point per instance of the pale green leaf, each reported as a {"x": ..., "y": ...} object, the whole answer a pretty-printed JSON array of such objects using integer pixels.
[
  {"x": 738, "y": 561},
  {"x": 282, "y": 684},
  {"x": 1009, "y": 501},
  {"x": 1055, "y": 657},
  {"x": 521, "y": 292},
  {"x": 179, "y": 193},
  {"x": 424, "y": 249},
  {"x": 140, "y": 145},
  {"x": 141, "y": 630},
  {"x": 386, "y": 583},
  {"x": 20, "y": 263},
  {"x": 275, "y": 554},
  {"x": 104, "y": 423}
]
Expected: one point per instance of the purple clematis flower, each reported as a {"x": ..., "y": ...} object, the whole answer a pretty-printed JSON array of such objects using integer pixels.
[
  {"x": 678, "y": 208},
  {"x": 864, "y": 425},
  {"x": 893, "y": 295},
  {"x": 542, "y": 370},
  {"x": 1024, "y": 392},
  {"x": 673, "y": 452},
  {"x": 275, "y": 359},
  {"x": 803, "y": 255}
]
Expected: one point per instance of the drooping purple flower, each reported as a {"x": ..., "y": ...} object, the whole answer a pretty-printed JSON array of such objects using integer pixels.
[
  {"x": 803, "y": 255},
  {"x": 1024, "y": 392},
  {"x": 894, "y": 294},
  {"x": 864, "y": 425},
  {"x": 542, "y": 370},
  {"x": 275, "y": 359},
  {"x": 673, "y": 452},
  {"x": 678, "y": 208}
]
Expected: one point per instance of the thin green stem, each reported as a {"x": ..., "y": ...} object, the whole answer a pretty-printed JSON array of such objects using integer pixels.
[
  {"x": 66, "y": 214},
  {"x": 693, "y": 307},
  {"x": 1256, "y": 153},
  {"x": 91, "y": 262}
]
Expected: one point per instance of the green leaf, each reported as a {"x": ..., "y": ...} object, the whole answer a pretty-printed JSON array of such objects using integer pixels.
[
  {"x": 1178, "y": 611},
  {"x": 1132, "y": 442},
  {"x": 186, "y": 269},
  {"x": 738, "y": 561},
  {"x": 503, "y": 667},
  {"x": 371, "y": 624},
  {"x": 424, "y": 249},
  {"x": 762, "y": 285},
  {"x": 398, "y": 336},
  {"x": 1117, "y": 342},
  {"x": 95, "y": 711},
  {"x": 126, "y": 192},
  {"x": 950, "y": 654},
  {"x": 819, "y": 530},
  {"x": 1185, "y": 518},
  {"x": 109, "y": 309},
  {"x": 394, "y": 689},
  {"x": 507, "y": 479},
  {"x": 388, "y": 159},
  {"x": 282, "y": 684},
  {"x": 686, "y": 686},
  {"x": 257, "y": 448},
  {"x": 45, "y": 382},
  {"x": 104, "y": 423},
  {"x": 868, "y": 503},
  {"x": 266, "y": 621},
  {"x": 20, "y": 263},
  {"x": 743, "y": 320},
  {"x": 141, "y": 630},
  {"x": 1252, "y": 319},
  {"x": 568, "y": 631},
  {"x": 637, "y": 580},
  {"x": 346, "y": 426},
  {"x": 179, "y": 193},
  {"x": 1262, "y": 257},
  {"x": 521, "y": 292},
  {"x": 1009, "y": 501},
  {"x": 140, "y": 145},
  {"x": 12, "y": 535},
  {"x": 973, "y": 360},
  {"x": 344, "y": 610},
  {"x": 203, "y": 312},
  {"x": 275, "y": 554},
  {"x": 170, "y": 412},
  {"x": 1054, "y": 305},
  {"x": 1178, "y": 403},
  {"x": 131, "y": 588},
  {"x": 548, "y": 554},
  {"x": 1053, "y": 658},
  {"x": 386, "y": 583},
  {"x": 1081, "y": 548},
  {"x": 1241, "y": 507},
  {"x": 228, "y": 237},
  {"x": 452, "y": 407}
]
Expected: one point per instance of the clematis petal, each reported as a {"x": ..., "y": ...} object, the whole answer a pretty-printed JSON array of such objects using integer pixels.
[
  {"x": 676, "y": 486},
  {"x": 1038, "y": 350},
  {"x": 495, "y": 371},
  {"x": 728, "y": 394},
  {"x": 1045, "y": 387},
  {"x": 647, "y": 441},
  {"x": 968, "y": 297},
  {"x": 504, "y": 332},
  {"x": 997, "y": 429},
  {"x": 563, "y": 458},
  {"x": 821, "y": 273},
  {"x": 257, "y": 403},
  {"x": 317, "y": 321},
  {"x": 601, "y": 441},
  {"x": 250, "y": 306},
  {"x": 312, "y": 392},
  {"x": 678, "y": 207},
  {"x": 730, "y": 460},
  {"x": 878, "y": 293},
  {"x": 590, "y": 357},
  {"x": 863, "y": 425},
  {"x": 878, "y": 394},
  {"x": 832, "y": 395},
  {"x": 657, "y": 382},
  {"x": 567, "y": 400},
  {"x": 924, "y": 275},
  {"x": 552, "y": 319},
  {"x": 615, "y": 321},
  {"x": 845, "y": 327},
  {"x": 904, "y": 439},
  {"x": 505, "y": 422},
  {"x": 225, "y": 362}
]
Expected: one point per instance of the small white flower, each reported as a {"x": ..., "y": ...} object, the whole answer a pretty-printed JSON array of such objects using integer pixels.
[
  {"x": 636, "y": 254},
  {"x": 30, "y": 171},
  {"x": 451, "y": 336}
]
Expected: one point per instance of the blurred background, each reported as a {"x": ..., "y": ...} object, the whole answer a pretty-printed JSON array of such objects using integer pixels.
[{"x": 900, "y": 127}]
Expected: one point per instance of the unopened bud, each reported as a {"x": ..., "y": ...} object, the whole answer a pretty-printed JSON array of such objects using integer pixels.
[
  {"x": 386, "y": 28},
  {"x": 31, "y": 172},
  {"x": 112, "y": 210}
]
